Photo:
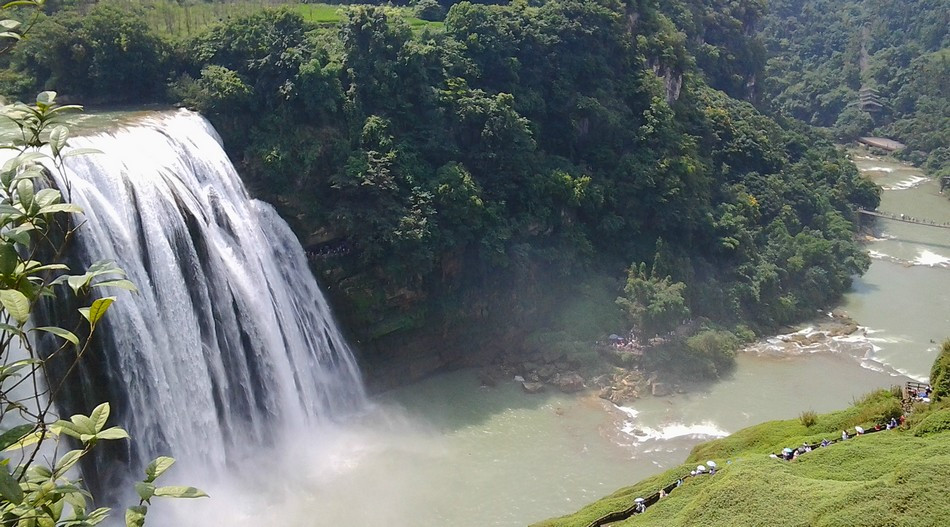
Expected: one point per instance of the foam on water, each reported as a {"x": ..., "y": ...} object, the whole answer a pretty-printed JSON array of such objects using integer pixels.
[
  {"x": 931, "y": 259},
  {"x": 905, "y": 184},
  {"x": 641, "y": 433}
]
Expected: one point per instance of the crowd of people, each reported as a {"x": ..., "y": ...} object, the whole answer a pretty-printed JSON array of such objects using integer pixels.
[{"x": 789, "y": 453}]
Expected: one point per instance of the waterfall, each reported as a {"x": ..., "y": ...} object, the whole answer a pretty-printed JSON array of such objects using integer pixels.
[{"x": 229, "y": 340}]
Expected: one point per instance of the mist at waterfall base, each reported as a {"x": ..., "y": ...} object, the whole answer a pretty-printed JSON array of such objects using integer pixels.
[{"x": 274, "y": 425}]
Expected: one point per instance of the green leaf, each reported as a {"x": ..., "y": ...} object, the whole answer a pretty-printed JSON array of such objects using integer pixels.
[
  {"x": 180, "y": 492},
  {"x": 113, "y": 433},
  {"x": 47, "y": 196},
  {"x": 145, "y": 490},
  {"x": 120, "y": 283},
  {"x": 68, "y": 460},
  {"x": 16, "y": 304},
  {"x": 25, "y": 441},
  {"x": 16, "y": 3},
  {"x": 77, "y": 282},
  {"x": 60, "y": 332},
  {"x": 15, "y": 434},
  {"x": 57, "y": 139},
  {"x": 12, "y": 329},
  {"x": 9, "y": 24},
  {"x": 97, "y": 310},
  {"x": 9, "y": 488},
  {"x": 19, "y": 235},
  {"x": 24, "y": 189},
  {"x": 99, "y": 416},
  {"x": 81, "y": 152},
  {"x": 135, "y": 516},
  {"x": 6, "y": 208},
  {"x": 158, "y": 467},
  {"x": 46, "y": 98},
  {"x": 11, "y": 369},
  {"x": 49, "y": 267},
  {"x": 83, "y": 424},
  {"x": 8, "y": 259},
  {"x": 71, "y": 208}
]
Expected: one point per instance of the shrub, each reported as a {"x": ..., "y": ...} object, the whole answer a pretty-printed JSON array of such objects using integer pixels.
[
  {"x": 940, "y": 373},
  {"x": 808, "y": 418}
]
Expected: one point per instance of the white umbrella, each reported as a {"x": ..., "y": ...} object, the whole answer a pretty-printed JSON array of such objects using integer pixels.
[
  {"x": 638, "y": 500},
  {"x": 712, "y": 464},
  {"x": 700, "y": 468}
]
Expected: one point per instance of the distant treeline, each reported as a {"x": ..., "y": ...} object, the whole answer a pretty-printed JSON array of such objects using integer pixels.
[{"x": 485, "y": 171}]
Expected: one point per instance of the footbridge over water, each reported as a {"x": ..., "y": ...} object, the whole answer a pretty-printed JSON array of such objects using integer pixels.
[{"x": 904, "y": 218}]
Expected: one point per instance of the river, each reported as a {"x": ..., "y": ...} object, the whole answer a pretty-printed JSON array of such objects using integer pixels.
[{"x": 450, "y": 452}]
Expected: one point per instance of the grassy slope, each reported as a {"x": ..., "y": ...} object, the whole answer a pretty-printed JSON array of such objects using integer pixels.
[{"x": 900, "y": 477}]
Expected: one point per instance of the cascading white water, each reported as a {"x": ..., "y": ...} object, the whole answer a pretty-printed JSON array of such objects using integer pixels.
[{"x": 229, "y": 340}]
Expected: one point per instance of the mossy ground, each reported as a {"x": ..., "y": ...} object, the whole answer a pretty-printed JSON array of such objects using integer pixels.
[{"x": 898, "y": 477}]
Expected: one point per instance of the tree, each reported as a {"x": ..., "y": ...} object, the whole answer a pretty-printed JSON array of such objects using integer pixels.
[{"x": 654, "y": 304}]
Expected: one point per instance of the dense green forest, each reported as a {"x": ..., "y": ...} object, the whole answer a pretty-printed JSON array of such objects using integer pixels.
[
  {"x": 493, "y": 181},
  {"x": 824, "y": 52}
]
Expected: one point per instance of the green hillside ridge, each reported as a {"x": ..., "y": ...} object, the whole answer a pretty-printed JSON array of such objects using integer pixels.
[{"x": 897, "y": 477}]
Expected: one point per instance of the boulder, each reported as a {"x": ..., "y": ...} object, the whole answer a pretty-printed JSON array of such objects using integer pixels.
[
  {"x": 546, "y": 373},
  {"x": 569, "y": 382},
  {"x": 532, "y": 387}
]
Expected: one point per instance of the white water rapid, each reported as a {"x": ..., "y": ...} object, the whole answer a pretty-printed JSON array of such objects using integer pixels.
[{"x": 229, "y": 343}]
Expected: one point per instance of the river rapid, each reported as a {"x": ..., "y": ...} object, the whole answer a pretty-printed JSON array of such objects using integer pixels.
[{"x": 450, "y": 452}]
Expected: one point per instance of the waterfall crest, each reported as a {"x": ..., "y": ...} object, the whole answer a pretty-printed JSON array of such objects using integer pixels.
[{"x": 229, "y": 340}]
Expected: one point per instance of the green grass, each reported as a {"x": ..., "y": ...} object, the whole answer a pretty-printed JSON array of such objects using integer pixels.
[
  {"x": 170, "y": 18},
  {"x": 900, "y": 477}
]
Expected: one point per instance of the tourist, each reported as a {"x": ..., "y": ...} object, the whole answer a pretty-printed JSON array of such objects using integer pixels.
[
  {"x": 858, "y": 430},
  {"x": 844, "y": 435},
  {"x": 892, "y": 424},
  {"x": 825, "y": 442},
  {"x": 640, "y": 507}
]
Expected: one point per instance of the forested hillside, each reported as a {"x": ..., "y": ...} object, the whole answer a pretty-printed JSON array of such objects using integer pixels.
[
  {"x": 485, "y": 183},
  {"x": 823, "y": 52}
]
